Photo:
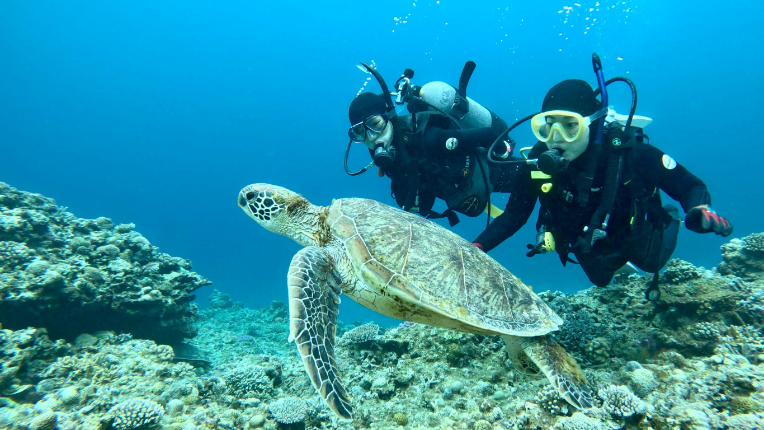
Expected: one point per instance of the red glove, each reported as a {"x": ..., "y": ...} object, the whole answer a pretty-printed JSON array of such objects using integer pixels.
[
  {"x": 703, "y": 219},
  {"x": 478, "y": 245}
]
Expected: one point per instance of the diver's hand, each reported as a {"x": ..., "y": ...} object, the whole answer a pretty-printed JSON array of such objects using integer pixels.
[
  {"x": 703, "y": 219},
  {"x": 535, "y": 249}
]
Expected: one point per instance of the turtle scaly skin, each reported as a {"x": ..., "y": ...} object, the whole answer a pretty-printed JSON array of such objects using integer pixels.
[{"x": 407, "y": 268}]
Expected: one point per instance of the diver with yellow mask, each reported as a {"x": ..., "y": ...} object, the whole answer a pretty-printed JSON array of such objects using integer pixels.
[{"x": 598, "y": 181}]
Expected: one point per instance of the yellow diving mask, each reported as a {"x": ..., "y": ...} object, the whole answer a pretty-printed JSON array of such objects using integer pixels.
[{"x": 569, "y": 126}]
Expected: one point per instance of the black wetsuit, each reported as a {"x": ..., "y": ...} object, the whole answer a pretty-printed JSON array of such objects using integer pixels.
[
  {"x": 424, "y": 169},
  {"x": 640, "y": 230}
]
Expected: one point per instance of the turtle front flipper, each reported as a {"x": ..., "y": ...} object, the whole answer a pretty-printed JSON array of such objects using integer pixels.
[
  {"x": 314, "y": 290},
  {"x": 561, "y": 369},
  {"x": 520, "y": 360}
]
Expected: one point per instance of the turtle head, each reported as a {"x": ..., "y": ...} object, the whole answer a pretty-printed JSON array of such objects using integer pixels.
[{"x": 281, "y": 211}]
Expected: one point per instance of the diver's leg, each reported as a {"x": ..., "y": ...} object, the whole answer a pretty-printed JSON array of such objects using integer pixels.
[
  {"x": 601, "y": 264},
  {"x": 660, "y": 244},
  {"x": 670, "y": 234}
]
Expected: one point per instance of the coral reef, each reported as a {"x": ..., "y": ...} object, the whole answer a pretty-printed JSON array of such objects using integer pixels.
[
  {"x": 247, "y": 381},
  {"x": 23, "y": 356},
  {"x": 744, "y": 257},
  {"x": 620, "y": 402},
  {"x": 288, "y": 410},
  {"x": 74, "y": 275},
  {"x": 692, "y": 360},
  {"x": 642, "y": 382},
  {"x": 135, "y": 414},
  {"x": 616, "y": 322},
  {"x": 362, "y": 333}
]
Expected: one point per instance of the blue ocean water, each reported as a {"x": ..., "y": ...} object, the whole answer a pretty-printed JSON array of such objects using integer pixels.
[{"x": 158, "y": 113}]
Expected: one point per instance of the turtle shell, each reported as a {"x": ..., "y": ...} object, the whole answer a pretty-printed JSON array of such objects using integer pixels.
[{"x": 413, "y": 269}]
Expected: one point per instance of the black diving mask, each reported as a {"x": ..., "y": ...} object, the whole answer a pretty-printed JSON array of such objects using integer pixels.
[{"x": 375, "y": 123}]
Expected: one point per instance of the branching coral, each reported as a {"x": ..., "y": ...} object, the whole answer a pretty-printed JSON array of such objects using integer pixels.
[
  {"x": 136, "y": 413},
  {"x": 246, "y": 381},
  {"x": 289, "y": 410},
  {"x": 550, "y": 401},
  {"x": 620, "y": 402},
  {"x": 362, "y": 333}
]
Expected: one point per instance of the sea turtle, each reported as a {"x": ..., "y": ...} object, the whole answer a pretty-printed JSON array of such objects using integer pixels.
[{"x": 408, "y": 268}]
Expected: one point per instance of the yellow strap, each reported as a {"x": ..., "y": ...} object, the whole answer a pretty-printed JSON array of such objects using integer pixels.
[
  {"x": 495, "y": 212},
  {"x": 538, "y": 174}
]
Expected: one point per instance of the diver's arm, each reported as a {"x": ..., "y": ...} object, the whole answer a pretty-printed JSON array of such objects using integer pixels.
[
  {"x": 516, "y": 214},
  {"x": 435, "y": 138},
  {"x": 670, "y": 176}
]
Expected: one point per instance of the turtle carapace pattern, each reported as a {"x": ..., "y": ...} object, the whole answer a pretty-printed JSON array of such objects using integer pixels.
[{"x": 405, "y": 267}]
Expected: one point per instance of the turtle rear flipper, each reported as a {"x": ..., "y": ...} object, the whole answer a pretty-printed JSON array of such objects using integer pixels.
[
  {"x": 561, "y": 369},
  {"x": 314, "y": 289}
]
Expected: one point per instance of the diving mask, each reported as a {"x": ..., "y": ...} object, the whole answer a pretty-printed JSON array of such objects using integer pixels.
[
  {"x": 375, "y": 123},
  {"x": 569, "y": 126}
]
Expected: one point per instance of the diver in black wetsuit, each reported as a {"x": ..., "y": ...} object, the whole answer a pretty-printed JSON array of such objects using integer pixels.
[
  {"x": 616, "y": 215},
  {"x": 428, "y": 155}
]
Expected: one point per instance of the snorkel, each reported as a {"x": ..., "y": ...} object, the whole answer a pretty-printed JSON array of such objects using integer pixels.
[
  {"x": 597, "y": 64},
  {"x": 386, "y": 153}
]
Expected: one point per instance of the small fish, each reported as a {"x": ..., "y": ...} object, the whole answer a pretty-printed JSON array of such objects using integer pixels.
[{"x": 245, "y": 338}]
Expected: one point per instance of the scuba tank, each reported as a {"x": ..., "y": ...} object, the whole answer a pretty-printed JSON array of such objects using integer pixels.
[
  {"x": 449, "y": 100},
  {"x": 465, "y": 113}
]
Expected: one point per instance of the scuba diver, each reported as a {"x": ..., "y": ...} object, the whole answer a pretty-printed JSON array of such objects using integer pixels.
[
  {"x": 598, "y": 181},
  {"x": 437, "y": 150}
]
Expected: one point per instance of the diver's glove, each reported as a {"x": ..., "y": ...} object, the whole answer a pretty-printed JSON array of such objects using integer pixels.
[{"x": 703, "y": 219}]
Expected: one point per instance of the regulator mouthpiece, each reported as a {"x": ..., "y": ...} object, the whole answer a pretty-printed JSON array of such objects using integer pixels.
[
  {"x": 552, "y": 162},
  {"x": 384, "y": 156}
]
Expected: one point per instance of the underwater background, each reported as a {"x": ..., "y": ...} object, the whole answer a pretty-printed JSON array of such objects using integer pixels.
[{"x": 158, "y": 113}]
